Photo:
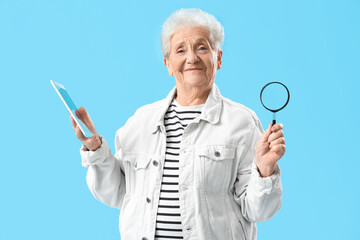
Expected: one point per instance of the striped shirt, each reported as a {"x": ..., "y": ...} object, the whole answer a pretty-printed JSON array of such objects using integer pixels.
[{"x": 168, "y": 221}]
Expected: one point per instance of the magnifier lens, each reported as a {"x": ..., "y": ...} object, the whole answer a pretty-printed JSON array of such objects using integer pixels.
[{"x": 274, "y": 96}]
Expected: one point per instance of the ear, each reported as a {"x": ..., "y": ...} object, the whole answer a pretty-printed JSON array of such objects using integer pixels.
[
  {"x": 219, "y": 59},
  {"x": 169, "y": 68}
]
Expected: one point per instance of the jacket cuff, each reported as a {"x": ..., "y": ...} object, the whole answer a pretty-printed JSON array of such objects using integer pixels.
[
  {"x": 265, "y": 184},
  {"x": 90, "y": 158}
]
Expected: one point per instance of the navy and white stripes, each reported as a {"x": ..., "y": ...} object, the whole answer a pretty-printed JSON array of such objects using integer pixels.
[{"x": 168, "y": 221}]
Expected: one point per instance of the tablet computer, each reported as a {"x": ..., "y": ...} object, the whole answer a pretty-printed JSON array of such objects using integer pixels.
[{"x": 70, "y": 106}]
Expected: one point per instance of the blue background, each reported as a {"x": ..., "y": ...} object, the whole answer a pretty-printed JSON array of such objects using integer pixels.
[{"x": 107, "y": 54}]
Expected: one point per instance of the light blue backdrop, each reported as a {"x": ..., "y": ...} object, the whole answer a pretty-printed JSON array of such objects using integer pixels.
[{"x": 107, "y": 54}]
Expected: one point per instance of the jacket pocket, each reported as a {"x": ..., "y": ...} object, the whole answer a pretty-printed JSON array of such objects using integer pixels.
[
  {"x": 136, "y": 172},
  {"x": 215, "y": 163}
]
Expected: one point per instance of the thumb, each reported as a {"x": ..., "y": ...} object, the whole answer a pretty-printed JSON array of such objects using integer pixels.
[{"x": 266, "y": 134}]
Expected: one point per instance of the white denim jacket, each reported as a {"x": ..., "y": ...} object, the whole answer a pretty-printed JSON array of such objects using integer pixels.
[{"x": 221, "y": 192}]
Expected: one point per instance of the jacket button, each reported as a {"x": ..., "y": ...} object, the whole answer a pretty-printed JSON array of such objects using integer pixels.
[
  {"x": 155, "y": 163},
  {"x": 217, "y": 154},
  {"x": 148, "y": 200}
]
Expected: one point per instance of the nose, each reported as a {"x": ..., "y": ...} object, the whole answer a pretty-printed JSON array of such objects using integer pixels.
[{"x": 192, "y": 57}]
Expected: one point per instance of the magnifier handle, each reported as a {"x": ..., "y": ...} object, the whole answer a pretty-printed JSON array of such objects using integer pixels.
[{"x": 274, "y": 118}]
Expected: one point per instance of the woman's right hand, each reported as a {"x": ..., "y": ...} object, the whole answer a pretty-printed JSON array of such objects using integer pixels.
[{"x": 92, "y": 143}]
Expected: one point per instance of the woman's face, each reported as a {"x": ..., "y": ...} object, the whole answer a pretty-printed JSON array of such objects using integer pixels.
[{"x": 192, "y": 59}]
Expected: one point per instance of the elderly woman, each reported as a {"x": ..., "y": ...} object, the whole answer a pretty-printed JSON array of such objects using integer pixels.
[{"x": 194, "y": 165}]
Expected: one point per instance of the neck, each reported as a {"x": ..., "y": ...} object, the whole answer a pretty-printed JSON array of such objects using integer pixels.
[{"x": 191, "y": 96}]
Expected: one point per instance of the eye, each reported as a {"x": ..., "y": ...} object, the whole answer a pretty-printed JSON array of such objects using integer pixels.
[
  {"x": 202, "y": 48},
  {"x": 180, "y": 51}
]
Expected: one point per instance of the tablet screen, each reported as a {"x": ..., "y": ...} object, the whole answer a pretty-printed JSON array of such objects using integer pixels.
[{"x": 70, "y": 105}]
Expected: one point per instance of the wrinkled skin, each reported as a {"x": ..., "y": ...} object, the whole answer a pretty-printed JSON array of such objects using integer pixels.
[{"x": 193, "y": 62}]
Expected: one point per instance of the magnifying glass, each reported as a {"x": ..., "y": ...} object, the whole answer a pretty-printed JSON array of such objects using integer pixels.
[{"x": 276, "y": 96}]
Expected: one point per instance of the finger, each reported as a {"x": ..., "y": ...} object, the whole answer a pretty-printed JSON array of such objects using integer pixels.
[
  {"x": 81, "y": 118},
  {"x": 73, "y": 123},
  {"x": 275, "y": 135},
  {"x": 279, "y": 149},
  {"x": 79, "y": 134},
  {"x": 90, "y": 125},
  {"x": 266, "y": 134},
  {"x": 280, "y": 140},
  {"x": 277, "y": 127}
]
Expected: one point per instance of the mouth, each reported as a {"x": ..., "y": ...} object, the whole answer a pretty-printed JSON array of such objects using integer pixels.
[{"x": 193, "y": 69}]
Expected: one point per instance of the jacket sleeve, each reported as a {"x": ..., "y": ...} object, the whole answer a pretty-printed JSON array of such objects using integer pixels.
[
  {"x": 105, "y": 176},
  {"x": 259, "y": 198}
]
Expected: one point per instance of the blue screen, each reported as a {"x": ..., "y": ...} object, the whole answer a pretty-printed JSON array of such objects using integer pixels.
[
  {"x": 67, "y": 98},
  {"x": 65, "y": 95}
]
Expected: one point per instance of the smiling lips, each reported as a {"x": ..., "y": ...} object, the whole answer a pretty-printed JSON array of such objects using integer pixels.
[{"x": 192, "y": 69}]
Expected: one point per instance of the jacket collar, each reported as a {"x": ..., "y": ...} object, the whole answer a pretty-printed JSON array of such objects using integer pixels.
[{"x": 210, "y": 112}]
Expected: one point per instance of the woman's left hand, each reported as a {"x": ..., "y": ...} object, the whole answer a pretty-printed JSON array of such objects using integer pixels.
[{"x": 270, "y": 148}]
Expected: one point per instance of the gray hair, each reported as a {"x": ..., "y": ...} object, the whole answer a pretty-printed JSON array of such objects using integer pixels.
[{"x": 192, "y": 17}]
